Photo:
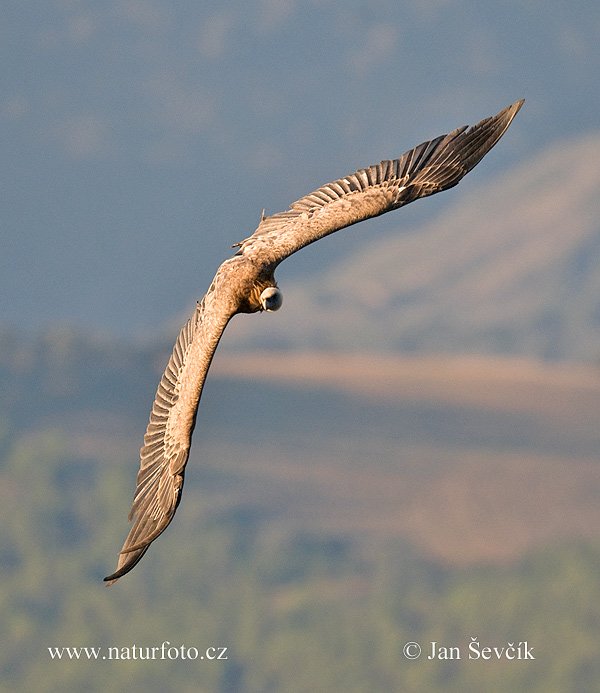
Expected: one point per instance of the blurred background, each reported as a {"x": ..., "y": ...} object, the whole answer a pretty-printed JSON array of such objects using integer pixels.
[{"x": 407, "y": 452}]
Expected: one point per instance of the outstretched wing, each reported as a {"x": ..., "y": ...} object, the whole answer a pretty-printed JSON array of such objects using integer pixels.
[
  {"x": 168, "y": 436},
  {"x": 429, "y": 168}
]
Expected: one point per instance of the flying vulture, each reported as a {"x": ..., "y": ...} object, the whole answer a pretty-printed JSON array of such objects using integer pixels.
[{"x": 245, "y": 283}]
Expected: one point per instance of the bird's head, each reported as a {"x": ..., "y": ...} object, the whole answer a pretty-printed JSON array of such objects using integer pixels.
[{"x": 271, "y": 299}]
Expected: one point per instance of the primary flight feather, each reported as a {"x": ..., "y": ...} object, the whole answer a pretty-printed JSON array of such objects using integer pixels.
[{"x": 245, "y": 283}]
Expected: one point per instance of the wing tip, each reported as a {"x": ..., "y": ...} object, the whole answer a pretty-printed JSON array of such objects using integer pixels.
[
  {"x": 512, "y": 110},
  {"x": 507, "y": 115},
  {"x": 111, "y": 579},
  {"x": 127, "y": 562}
]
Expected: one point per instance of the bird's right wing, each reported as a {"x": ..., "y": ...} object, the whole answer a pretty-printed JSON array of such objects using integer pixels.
[{"x": 168, "y": 436}]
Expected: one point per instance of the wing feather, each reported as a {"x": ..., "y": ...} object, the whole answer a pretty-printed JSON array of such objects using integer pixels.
[
  {"x": 430, "y": 167},
  {"x": 168, "y": 436}
]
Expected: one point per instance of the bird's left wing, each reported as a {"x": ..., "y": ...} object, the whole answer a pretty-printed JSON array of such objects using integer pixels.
[
  {"x": 431, "y": 167},
  {"x": 168, "y": 436}
]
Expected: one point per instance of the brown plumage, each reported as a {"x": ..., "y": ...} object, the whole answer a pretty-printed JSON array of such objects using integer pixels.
[{"x": 245, "y": 284}]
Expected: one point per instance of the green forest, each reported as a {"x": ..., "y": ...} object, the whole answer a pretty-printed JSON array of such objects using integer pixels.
[{"x": 244, "y": 601}]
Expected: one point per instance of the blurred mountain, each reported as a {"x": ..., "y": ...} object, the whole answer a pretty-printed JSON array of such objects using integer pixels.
[
  {"x": 512, "y": 267},
  {"x": 336, "y": 507},
  {"x": 357, "y": 444}
]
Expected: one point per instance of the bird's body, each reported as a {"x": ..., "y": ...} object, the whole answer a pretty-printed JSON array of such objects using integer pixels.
[{"x": 245, "y": 283}]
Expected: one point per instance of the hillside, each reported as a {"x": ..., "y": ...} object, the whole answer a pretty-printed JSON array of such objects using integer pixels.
[
  {"x": 510, "y": 268},
  {"x": 357, "y": 443},
  {"x": 331, "y": 500},
  {"x": 468, "y": 459},
  {"x": 352, "y": 443}
]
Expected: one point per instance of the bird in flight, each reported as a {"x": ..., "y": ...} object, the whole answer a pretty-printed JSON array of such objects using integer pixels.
[{"x": 245, "y": 283}]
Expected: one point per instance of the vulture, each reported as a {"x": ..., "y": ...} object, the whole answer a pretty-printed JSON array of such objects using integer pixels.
[{"x": 245, "y": 283}]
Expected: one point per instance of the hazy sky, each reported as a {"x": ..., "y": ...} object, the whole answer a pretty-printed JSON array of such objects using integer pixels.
[{"x": 141, "y": 138}]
